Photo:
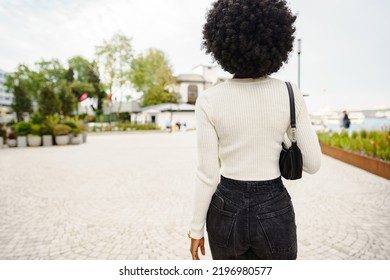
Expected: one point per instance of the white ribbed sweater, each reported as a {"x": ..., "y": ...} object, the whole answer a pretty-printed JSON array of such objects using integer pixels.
[{"x": 248, "y": 119}]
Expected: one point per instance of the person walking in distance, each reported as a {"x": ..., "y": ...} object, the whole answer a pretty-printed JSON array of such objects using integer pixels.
[
  {"x": 346, "y": 122},
  {"x": 239, "y": 195}
]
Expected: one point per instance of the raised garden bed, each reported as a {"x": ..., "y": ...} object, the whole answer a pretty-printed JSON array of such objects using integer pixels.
[{"x": 376, "y": 166}]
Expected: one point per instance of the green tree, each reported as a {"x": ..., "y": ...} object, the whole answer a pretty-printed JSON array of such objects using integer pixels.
[
  {"x": 22, "y": 86},
  {"x": 67, "y": 100},
  {"x": 80, "y": 67},
  {"x": 115, "y": 57},
  {"x": 50, "y": 71},
  {"x": 152, "y": 75},
  {"x": 48, "y": 101},
  {"x": 157, "y": 95},
  {"x": 78, "y": 88},
  {"x": 21, "y": 103},
  {"x": 94, "y": 79},
  {"x": 85, "y": 78},
  {"x": 69, "y": 76}
]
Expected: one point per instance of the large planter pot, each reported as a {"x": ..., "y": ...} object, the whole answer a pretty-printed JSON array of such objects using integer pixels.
[
  {"x": 11, "y": 143},
  {"x": 47, "y": 140},
  {"x": 22, "y": 141},
  {"x": 84, "y": 136},
  {"x": 34, "y": 140},
  {"x": 62, "y": 139},
  {"x": 376, "y": 166},
  {"x": 76, "y": 139}
]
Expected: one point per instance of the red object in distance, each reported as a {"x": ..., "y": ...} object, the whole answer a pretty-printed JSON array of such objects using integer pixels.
[
  {"x": 109, "y": 97},
  {"x": 84, "y": 96}
]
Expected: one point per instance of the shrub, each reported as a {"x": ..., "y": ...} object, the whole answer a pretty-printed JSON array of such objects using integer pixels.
[
  {"x": 71, "y": 124},
  {"x": 36, "y": 118},
  {"x": 61, "y": 129},
  {"x": 75, "y": 131},
  {"x": 127, "y": 125},
  {"x": 11, "y": 124},
  {"x": 354, "y": 135},
  {"x": 90, "y": 118},
  {"x": 83, "y": 116},
  {"x": 47, "y": 128},
  {"x": 373, "y": 143},
  {"x": 35, "y": 130},
  {"x": 23, "y": 128},
  {"x": 82, "y": 126}
]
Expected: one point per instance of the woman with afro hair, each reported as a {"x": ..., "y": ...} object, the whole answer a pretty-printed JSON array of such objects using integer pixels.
[{"x": 241, "y": 123}]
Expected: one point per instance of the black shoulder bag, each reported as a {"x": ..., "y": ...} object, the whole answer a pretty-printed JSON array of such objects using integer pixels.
[{"x": 290, "y": 161}]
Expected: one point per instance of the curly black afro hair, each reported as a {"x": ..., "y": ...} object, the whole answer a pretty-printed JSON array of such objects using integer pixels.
[{"x": 249, "y": 38}]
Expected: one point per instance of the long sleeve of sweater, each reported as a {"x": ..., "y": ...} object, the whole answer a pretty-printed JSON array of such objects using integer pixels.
[
  {"x": 243, "y": 122},
  {"x": 207, "y": 174}
]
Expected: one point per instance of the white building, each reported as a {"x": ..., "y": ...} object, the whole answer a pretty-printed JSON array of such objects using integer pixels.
[
  {"x": 5, "y": 100},
  {"x": 166, "y": 115},
  {"x": 191, "y": 85}
]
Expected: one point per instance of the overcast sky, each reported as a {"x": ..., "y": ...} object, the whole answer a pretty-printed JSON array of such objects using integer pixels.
[{"x": 345, "y": 43}]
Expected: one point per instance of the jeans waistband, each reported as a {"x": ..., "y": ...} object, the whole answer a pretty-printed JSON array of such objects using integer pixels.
[{"x": 241, "y": 185}]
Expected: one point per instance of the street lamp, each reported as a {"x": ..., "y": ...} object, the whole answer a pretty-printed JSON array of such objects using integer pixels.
[{"x": 299, "y": 62}]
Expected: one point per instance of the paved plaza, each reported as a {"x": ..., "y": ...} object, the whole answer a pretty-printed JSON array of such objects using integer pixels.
[{"x": 128, "y": 196}]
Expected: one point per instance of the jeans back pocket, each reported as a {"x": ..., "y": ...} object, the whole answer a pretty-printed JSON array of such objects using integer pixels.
[
  {"x": 219, "y": 224},
  {"x": 279, "y": 229}
]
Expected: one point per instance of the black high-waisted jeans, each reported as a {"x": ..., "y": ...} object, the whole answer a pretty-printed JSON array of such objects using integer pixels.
[{"x": 251, "y": 220}]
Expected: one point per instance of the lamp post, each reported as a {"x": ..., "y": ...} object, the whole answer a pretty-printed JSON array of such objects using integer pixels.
[{"x": 299, "y": 62}]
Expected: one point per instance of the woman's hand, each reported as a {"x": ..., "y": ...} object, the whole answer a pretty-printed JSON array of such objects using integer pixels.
[{"x": 195, "y": 244}]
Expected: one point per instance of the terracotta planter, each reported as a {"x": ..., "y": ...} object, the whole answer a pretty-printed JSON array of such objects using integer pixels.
[
  {"x": 62, "y": 140},
  {"x": 376, "y": 166},
  {"x": 34, "y": 140}
]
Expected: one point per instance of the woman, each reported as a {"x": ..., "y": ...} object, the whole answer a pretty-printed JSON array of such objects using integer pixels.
[{"x": 242, "y": 122}]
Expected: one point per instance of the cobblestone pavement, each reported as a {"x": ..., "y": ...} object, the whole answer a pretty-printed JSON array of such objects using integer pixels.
[{"x": 129, "y": 197}]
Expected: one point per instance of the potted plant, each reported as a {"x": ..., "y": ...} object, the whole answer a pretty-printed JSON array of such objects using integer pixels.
[
  {"x": 47, "y": 133},
  {"x": 34, "y": 138},
  {"x": 22, "y": 130},
  {"x": 72, "y": 126},
  {"x": 83, "y": 127},
  {"x": 2, "y": 136},
  {"x": 11, "y": 139},
  {"x": 77, "y": 138},
  {"x": 61, "y": 133}
]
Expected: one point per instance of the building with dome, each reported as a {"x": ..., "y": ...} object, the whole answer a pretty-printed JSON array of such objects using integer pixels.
[{"x": 189, "y": 86}]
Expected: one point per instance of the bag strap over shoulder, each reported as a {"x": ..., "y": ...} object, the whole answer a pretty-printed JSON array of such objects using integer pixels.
[{"x": 292, "y": 111}]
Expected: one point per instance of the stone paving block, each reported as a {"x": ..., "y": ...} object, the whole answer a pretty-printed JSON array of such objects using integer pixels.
[
  {"x": 127, "y": 209},
  {"x": 143, "y": 257}
]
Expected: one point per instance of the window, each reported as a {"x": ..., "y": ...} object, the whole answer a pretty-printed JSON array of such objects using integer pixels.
[{"x": 192, "y": 94}]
